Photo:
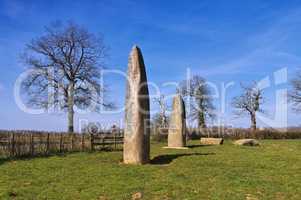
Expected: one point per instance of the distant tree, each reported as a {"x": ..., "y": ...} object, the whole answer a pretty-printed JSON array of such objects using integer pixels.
[
  {"x": 249, "y": 102},
  {"x": 66, "y": 60},
  {"x": 92, "y": 128},
  {"x": 295, "y": 94},
  {"x": 158, "y": 131},
  {"x": 161, "y": 118},
  {"x": 157, "y": 121},
  {"x": 201, "y": 101}
]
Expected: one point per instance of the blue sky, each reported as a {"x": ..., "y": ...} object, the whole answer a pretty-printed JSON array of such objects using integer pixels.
[{"x": 223, "y": 41}]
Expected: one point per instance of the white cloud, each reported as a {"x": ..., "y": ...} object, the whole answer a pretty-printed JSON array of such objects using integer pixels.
[
  {"x": 258, "y": 59},
  {"x": 265, "y": 49}
]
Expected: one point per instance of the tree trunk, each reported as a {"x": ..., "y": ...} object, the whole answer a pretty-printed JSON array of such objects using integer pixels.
[
  {"x": 253, "y": 122},
  {"x": 164, "y": 120},
  {"x": 201, "y": 122},
  {"x": 201, "y": 115},
  {"x": 70, "y": 108}
]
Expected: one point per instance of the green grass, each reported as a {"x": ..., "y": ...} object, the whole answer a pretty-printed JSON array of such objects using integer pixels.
[{"x": 271, "y": 171}]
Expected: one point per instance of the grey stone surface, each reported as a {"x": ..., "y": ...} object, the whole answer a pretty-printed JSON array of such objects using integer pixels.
[
  {"x": 212, "y": 141},
  {"x": 247, "y": 142},
  {"x": 177, "y": 124},
  {"x": 137, "y": 117}
]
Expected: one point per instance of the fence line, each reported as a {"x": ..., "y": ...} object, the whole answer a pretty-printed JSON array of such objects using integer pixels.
[{"x": 16, "y": 144}]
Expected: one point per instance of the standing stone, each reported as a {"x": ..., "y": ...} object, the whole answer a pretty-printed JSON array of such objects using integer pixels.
[
  {"x": 177, "y": 125},
  {"x": 136, "y": 147}
]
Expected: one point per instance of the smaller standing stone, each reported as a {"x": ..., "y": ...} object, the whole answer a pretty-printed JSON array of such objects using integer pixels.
[{"x": 177, "y": 125}]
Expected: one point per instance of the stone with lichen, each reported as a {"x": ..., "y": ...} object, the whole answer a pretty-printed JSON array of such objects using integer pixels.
[
  {"x": 177, "y": 125},
  {"x": 137, "y": 117}
]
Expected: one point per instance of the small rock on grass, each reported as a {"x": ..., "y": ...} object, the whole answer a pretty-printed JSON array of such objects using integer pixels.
[
  {"x": 247, "y": 142},
  {"x": 137, "y": 195}
]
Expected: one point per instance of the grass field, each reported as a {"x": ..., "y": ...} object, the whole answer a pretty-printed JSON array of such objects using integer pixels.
[{"x": 271, "y": 171}]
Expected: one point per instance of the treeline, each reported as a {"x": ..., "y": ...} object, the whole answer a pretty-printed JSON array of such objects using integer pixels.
[
  {"x": 240, "y": 133},
  {"x": 231, "y": 133}
]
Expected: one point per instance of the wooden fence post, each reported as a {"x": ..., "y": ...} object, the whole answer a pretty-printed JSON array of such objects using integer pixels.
[
  {"x": 83, "y": 142},
  {"x": 115, "y": 145},
  {"x": 92, "y": 142},
  {"x": 47, "y": 143},
  {"x": 12, "y": 144},
  {"x": 31, "y": 145},
  {"x": 73, "y": 137},
  {"x": 71, "y": 142},
  {"x": 61, "y": 142}
]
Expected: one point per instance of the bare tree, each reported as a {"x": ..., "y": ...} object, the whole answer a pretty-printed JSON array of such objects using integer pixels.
[
  {"x": 295, "y": 94},
  {"x": 66, "y": 63},
  {"x": 249, "y": 102},
  {"x": 162, "y": 117},
  {"x": 200, "y": 100}
]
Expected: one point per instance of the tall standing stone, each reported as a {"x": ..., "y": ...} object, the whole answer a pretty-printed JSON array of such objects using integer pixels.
[
  {"x": 177, "y": 124},
  {"x": 136, "y": 147}
]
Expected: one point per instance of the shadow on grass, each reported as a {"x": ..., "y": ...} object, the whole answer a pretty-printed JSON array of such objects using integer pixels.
[
  {"x": 198, "y": 145},
  {"x": 167, "y": 159}
]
